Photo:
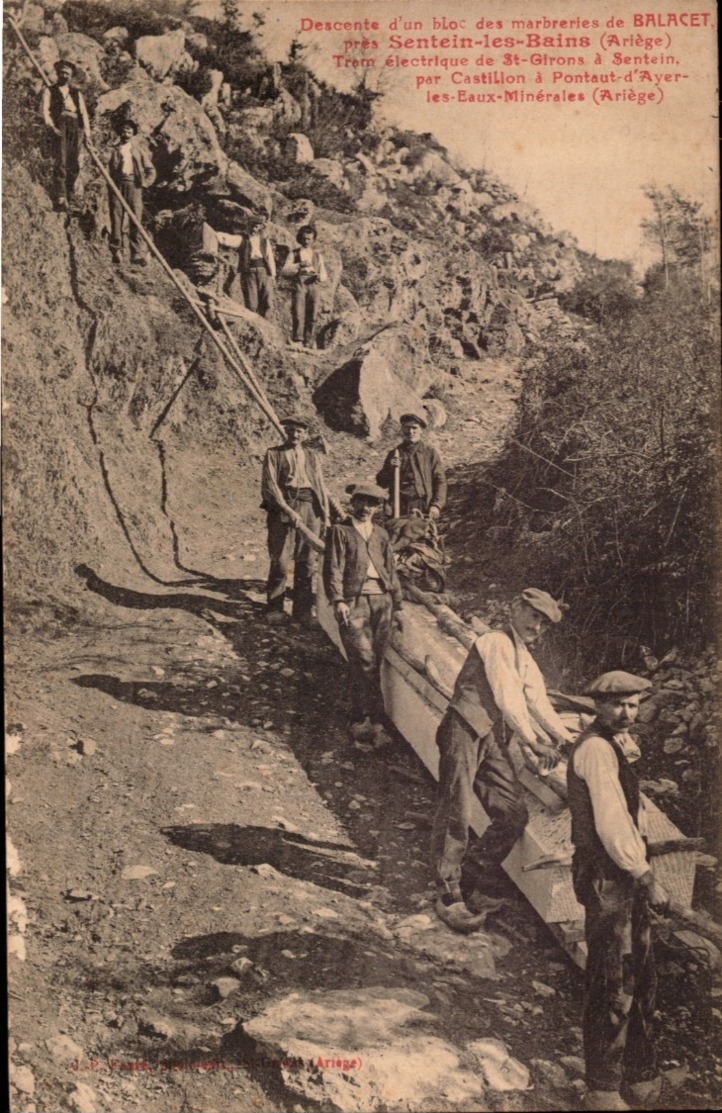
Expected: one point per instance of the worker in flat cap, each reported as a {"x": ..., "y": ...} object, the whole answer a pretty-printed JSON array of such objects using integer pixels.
[
  {"x": 66, "y": 118},
  {"x": 614, "y": 882},
  {"x": 297, "y": 504},
  {"x": 422, "y": 478},
  {"x": 362, "y": 586},
  {"x": 499, "y": 692}
]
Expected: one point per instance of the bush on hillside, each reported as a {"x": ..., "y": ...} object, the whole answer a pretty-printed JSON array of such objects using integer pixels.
[
  {"x": 610, "y": 486},
  {"x": 94, "y": 18}
]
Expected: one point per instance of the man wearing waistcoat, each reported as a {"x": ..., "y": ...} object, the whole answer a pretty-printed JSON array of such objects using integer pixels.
[
  {"x": 422, "y": 478},
  {"x": 614, "y": 882},
  {"x": 362, "y": 586},
  {"x": 256, "y": 264},
  {"x": 64, "y": 114},
  {"x": 499, "y": 690},
  {"x": 294, "y": 494},
  {"x": 307, "y": 270},
  {"x": 132, "y": 171}
]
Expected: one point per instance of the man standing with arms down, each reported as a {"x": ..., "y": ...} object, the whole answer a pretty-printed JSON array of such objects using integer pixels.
[
  {"x": 422, "y": 479},
  {"x": 613, "y": 881},
  {"x": 360, "y": 579},
  {"x": 294, "y": 494},
  {"x": 64, "y": 114},
  {"x": 132, "y": 171},
  {"x": 498, "y": 691}
]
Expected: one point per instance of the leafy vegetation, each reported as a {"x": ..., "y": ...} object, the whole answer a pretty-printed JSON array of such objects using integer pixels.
[{"x": 609, "y": 489}]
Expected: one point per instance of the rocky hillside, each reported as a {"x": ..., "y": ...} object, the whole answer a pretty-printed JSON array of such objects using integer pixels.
[{"x": 435, "y": 274}]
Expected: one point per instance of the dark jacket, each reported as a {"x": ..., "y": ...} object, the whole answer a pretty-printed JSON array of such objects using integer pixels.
[
  {"x": 421, "y": 468},
  {"x": 346, "y": 562},
  {"x": 143, "y": 169},
  {"x": 274, "y": 480}
]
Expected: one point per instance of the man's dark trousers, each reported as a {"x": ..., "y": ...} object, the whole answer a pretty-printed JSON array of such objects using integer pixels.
[
  {"x": 473, "y": 767},
  {"x": 303, "y": 311},
  {"x": 287, "y": 549},
  {"x": 365, "y": 640},
  {"x": 67, "y": 157},
  {"x": 133, "y": 196},
  {"x": 621, "y": 983},
  {"x": 258, "y": 289}
]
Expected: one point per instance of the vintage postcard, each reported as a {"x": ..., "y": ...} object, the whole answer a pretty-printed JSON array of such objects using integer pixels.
[{"x": 361, "y": 426}]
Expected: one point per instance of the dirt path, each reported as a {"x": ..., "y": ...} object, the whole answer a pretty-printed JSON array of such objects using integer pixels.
[{"x": 187, "y": 807}]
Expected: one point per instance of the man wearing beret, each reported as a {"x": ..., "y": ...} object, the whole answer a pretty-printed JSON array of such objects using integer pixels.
[
  {"x": 613, "y": 881},
  {"x": 499, "y": 691},
  {"x": 362, "y": 586},
  {"x": 64, "y": 114},
  {"x": 294, "y": 494},
  {"x": 422, "y": 477}
]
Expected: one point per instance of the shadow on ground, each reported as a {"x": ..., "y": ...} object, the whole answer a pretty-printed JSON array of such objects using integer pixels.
[{"x": 324, "y": 863}]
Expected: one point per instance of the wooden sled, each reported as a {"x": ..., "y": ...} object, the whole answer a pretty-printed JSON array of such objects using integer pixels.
[{"x": 418, "y": 676}]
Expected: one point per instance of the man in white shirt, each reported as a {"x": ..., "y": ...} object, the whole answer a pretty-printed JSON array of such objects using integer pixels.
[
  {"x": 499, "y": 691},
  {"x": 256, "y": 263},
  {"x": 64, "y": 114},
  {"x": 614, "y": 882},
  {"x": 131, "y": 170},
  {"x": 294, "y": 494},
  {"x": 306, "y": 268}
]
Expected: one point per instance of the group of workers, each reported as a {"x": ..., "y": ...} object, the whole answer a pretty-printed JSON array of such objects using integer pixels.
[
  {"x": 500, "y": 693},
  {"x": 130, "y": 167}
]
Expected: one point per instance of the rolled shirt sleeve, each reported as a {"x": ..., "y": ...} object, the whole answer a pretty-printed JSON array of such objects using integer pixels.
[
  {"x": 497, "y": 652},
  {"x": 596, "y": 764}
]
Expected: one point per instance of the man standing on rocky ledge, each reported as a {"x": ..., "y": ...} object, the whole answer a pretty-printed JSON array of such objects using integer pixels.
[
  {"x": 613, "y": 880},
  {"x": 499, "y": 690},
  {"x": 422, "y": 478},
  {"x": 294, "y": 494},
  {"x": 64, "y": 113}
]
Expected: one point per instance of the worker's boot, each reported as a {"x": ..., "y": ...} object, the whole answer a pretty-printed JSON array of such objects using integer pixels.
[
  {"x": 604, "y": 1099},
  {"x": 643, "y": 1095},
  {"x": 457, "y": 916}
]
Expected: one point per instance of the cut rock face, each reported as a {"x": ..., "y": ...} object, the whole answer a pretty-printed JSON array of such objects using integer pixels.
[{"x": 350, "y": 1051}]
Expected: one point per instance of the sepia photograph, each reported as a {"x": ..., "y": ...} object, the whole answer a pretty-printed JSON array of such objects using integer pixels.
[{"x": 361, "y": 422}]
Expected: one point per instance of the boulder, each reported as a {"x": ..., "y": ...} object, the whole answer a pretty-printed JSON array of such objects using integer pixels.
[
  {"x": 117, "y": 36},
  {"x": 83, "y": 52},
  {"x": 162, "y": 55},
  {"x": 254, "y": 118},
  {"x": 330, "y": 169},
  {"x": 365, "y": 392},
  {"x": 297, "y": 148},
  {"x": 350, "y": 1050},
  {"x": 500, "y": 1071},
  {"x": 246, "y": 190},
  {"x": 286, "y": 109},
  {"x": 434, "y": 166},
  {"x": 186, "y": 148}
]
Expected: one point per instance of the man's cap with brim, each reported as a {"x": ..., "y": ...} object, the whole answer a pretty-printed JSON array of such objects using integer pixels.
[
  {"x": 617, "y": 683},
  {"x": 126, "y": 121},
  {"x": 368, "y": 491},
  {"x": 543, "y": 602},
  {"x": 406, "y": 418},
  {"x": 295, "y": 419},
  {"x": 65, "y": 62}
]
